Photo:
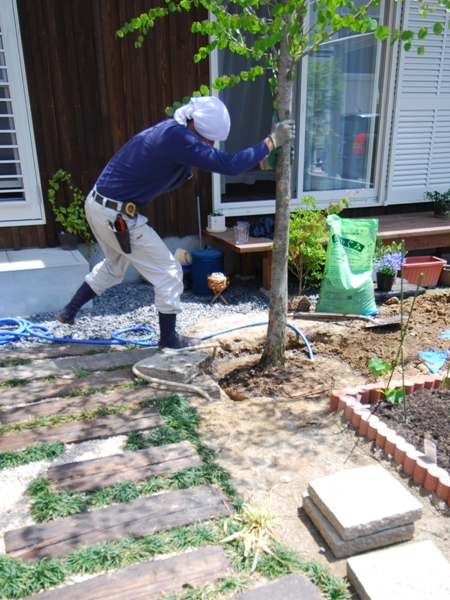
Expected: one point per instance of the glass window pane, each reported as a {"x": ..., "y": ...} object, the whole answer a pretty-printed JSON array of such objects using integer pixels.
[{"x": 341, "y": 116}]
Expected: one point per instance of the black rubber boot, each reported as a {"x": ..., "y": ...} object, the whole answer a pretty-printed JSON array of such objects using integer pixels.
[
  {"x": 81, "y": 296},
  {"x": 169, "y": 338}
]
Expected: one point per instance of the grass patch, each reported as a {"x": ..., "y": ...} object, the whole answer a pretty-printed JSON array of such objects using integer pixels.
[
  {"x": 15, "y": 363},
  {"x": 48, "y": 378},
  {"x": 61, "y": 420},
  {"x": 34, "y": 453},
  {"x": 80, "y": 373},
  {"x": 13, "y": 383}
]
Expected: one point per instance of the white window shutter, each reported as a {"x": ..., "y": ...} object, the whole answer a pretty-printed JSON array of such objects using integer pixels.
[
  {"x": 20, "y": 191},
  {"x": 420, "y": 148}
]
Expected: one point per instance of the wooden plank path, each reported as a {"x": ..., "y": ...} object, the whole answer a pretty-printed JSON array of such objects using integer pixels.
[
  {"x": 138, "y": 517},
  {"x": 81, "y": 431},
  {"x": 96, "y": 473},
  {"x": 67, "y": 366},
  {"x": 38, "y": 390},
  {"x": 289, "y": 587},
  {"x": 150, "y": 579},
  {"x": 75, "y": 405}
]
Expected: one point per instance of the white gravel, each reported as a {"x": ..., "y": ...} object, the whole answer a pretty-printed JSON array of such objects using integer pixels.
[{"x": 132, "y": 305}]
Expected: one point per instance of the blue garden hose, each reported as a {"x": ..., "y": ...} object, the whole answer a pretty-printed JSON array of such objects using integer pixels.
[{"x": 26, "y": 329}]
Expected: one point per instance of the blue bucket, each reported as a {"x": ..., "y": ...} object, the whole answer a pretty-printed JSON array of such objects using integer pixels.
[{"x": 205, "y": 262}]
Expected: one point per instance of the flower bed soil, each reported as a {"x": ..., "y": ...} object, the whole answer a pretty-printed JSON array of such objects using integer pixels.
[{"x": 428, "y": 416}]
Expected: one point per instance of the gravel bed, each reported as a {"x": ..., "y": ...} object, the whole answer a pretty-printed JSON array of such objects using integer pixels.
[{"x": 131, "y": 305}]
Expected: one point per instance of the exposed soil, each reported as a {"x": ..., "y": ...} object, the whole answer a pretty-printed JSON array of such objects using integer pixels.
[
  {"x": 273, "y": 430},
  {"x": 428, "y": 416}
]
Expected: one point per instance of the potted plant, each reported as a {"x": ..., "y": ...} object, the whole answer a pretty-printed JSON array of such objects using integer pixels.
[
  {"x": 216, "y": 222},
  {"x": 72, "y": 218},
  {"x": 387, "y": 262},
  {"x": 441, "y": 202}
]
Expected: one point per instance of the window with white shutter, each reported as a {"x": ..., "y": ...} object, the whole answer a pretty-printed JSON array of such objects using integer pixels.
[
  {"x": 421, "y": 127},
  {"x": 20, "y": 195}
]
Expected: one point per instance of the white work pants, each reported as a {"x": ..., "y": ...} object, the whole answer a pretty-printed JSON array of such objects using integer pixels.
[{"x": 149, "y": 255}]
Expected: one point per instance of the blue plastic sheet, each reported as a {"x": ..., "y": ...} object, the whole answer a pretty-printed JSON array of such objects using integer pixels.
[
  {"x": 445, "y": 334},
  {"x": 434, "y": 359}
]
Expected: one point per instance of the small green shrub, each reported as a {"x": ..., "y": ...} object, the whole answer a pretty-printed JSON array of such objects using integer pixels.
[{"x": 307, "y": 237}]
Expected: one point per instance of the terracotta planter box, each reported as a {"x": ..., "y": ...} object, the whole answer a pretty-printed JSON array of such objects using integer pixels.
[{"x": 430, "y": 266}]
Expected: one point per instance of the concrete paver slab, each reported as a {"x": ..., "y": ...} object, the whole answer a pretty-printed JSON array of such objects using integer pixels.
[
  {"x": 342, "y": 548},
  {"x": 180, "y": 367},
  {"x": 412, "y": 572},
  {"x": 360, "y": 502}
]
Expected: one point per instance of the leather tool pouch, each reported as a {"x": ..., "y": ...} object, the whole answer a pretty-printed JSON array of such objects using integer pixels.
[{"x": 123, "y": 237}]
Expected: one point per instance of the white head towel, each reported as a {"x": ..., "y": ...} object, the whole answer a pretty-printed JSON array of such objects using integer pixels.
[{"x": 210, "y": 115}]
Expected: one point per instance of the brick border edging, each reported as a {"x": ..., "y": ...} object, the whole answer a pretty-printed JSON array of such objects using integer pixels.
[{"x": 414, "y": 463}]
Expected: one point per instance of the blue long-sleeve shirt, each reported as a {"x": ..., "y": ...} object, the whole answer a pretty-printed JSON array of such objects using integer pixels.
[{"x": 159, "y": 159}]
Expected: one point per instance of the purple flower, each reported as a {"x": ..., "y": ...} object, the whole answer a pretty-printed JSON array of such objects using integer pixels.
[{"x": 389, "y": 264}]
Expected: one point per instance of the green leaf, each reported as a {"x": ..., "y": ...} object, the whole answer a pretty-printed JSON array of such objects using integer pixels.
[
  {"x": 420, "y": 50},
  {"x": 378, "y": 367},
  {"x": 277, "y": 10},
  {"x": 407, "y": 35},
  {"x": 381, "y": 32},
  {"x": 394, "y": 396},
  {"x": 437, "y": 28},
  {"x": 423, "y": 32}
]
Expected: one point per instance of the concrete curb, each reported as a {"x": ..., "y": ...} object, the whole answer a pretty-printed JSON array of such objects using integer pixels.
[{"x": 414, "y": 463}]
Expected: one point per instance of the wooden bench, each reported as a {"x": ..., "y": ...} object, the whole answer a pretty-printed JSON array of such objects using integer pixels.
[{"x": 421, "y": 231}]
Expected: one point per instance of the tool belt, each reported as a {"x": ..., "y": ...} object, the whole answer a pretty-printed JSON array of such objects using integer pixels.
[{"x": 129, "y": 208}]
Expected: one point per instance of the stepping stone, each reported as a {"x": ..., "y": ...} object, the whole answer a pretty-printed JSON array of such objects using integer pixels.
[
  {"x": 88, "y": 475},
  {"x": 138, "y": 517},
  {"x": 342, "y": 548},
  {"x": 360, "y": 502},
  {"x": 150, "y": 579},
  {"x": 177, "y": 367},
  {"x": 290, "y": 587},
  {"x": 413, "y": 572},
  {"x": 82, "y": 431}
]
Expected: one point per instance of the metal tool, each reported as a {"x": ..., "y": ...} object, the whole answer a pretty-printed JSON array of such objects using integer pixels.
[{"x": 371, "y": 321}]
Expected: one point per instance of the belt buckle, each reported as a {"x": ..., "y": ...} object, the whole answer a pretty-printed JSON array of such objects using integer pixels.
[{"x": 130, "y": 209}]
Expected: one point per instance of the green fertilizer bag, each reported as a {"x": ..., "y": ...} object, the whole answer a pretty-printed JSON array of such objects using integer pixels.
[{"x": 347, "y": 285}]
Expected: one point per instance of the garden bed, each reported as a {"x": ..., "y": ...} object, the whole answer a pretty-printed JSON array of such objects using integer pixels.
[{"x": 428, "y": 416}]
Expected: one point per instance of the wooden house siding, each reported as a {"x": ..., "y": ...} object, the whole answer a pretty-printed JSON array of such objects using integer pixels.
[{"x": 90, "y": 92}]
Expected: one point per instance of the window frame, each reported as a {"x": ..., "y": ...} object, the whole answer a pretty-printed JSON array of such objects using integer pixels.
[
  {"x": 360, "y": 197},
  {"x": 31, "y": 210}
]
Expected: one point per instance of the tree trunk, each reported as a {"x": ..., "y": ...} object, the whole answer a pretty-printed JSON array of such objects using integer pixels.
[{"x": 275, "y": 346}]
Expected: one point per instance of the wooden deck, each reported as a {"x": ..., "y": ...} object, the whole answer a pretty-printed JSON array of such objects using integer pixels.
[{"x": 421, "y": 231}]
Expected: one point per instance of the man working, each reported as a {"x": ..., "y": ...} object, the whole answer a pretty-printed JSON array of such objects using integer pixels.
[{"x": 155, "y": 161}]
